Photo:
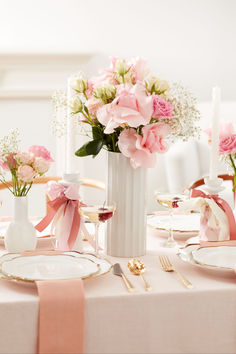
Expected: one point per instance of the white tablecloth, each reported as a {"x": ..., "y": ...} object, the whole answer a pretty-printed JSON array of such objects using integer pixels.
[{"x": 170, "y": 319}]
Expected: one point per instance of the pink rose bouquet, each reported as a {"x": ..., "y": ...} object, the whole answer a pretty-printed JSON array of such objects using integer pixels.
[
  {"x": 131, "y": 112},
  {"x": 227, "y": 146},
  {"x": 24, "y": 166}
]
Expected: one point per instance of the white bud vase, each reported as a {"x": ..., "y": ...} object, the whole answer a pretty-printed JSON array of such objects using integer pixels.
[{"x": 21, "y": 234}]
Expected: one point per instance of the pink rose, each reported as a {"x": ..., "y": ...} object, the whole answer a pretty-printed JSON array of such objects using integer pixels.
[
  {"x": 131, "y": 106},
  {"x": 226, "y": 129},
  {"x": 227, "y": 145},
  {"x": 41, "y": 165},
  {"x": 26, "y": 173},
  {"x": 141, "y": 149},
  {"x": 40, "y": 151},
  {"x": 93, "y": 104},
  {"x": 25, "y": 158},
  {"x": 161, "y": 108}
]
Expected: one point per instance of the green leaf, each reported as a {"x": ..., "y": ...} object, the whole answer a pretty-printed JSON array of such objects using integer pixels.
[
  {"x": 90, "y": 148},
  {"x": 97, "y": 132},
  {"x": 86, "y": 109}
]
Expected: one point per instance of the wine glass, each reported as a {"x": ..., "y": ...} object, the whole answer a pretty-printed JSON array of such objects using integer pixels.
[
  {"x": 98, "y": 214},
  {"x": 170, "y": 201}
]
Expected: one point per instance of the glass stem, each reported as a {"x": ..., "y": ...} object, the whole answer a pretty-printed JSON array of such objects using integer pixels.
[
  {"x": 96, "y": 237},
  {"x": 171, "y": 234}
]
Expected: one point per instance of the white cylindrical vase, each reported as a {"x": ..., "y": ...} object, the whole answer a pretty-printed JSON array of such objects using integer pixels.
[
  {"x": 21, "y": 234},
  {"x": 126, "y": 186}
]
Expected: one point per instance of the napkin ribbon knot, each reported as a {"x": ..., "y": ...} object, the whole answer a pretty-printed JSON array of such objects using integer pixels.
[
  {"x": 64, "y": 202},
  {"x": 195, "y": 193}
]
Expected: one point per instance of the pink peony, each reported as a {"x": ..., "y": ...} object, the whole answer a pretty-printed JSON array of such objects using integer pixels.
[
  {"x": 93, "y": 104},
  {"x": 131, "y": 106},
  {"x": 141, "y": 149},
  {"x": 161, "y": 108},
  {"x": 25, "y": 158},
  {"x": 40, "y": 151},
  {"x": 41, "y": 165},
  {"x": 26, "y": 173},
  {"x": 227, "y": 145}
]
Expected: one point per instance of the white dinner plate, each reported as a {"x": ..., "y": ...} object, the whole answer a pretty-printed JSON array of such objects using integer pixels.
[
  {"x": 220, "y": 257},
  {"x": 185, "y": 254},
  {"x": 184, "y": 225},
  {"x": 104, "y": 266},
  {"x": 49, "y": 267}
]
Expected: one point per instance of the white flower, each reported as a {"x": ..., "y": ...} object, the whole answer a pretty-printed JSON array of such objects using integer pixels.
[
  {"x": 79, "y": 84},
  {"x": 106, "y": 91},
  {"x": 76, "y": 104},
  {"x": 121, "y": 67},
  {"x": 157, "y": 85}
]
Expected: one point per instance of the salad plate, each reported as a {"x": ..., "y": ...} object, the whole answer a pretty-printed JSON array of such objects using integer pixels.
[{"x": 223, "y": 257}]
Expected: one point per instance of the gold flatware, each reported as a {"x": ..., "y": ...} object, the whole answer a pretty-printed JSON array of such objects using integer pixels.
[
  {"x": 137, "y": 267},
  {"x": 168, "y": 267},
  {"x": 118, "y": 271}
]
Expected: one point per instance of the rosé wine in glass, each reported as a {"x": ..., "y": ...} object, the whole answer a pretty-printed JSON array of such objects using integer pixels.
[{"x": 97, "y": 214}]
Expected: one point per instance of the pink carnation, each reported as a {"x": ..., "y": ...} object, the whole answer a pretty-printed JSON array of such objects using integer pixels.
[
  {"x": 41, "y": 165},
  {"x": 141, "y": 149},
  {"x": 26, "y": 158},
  {"x": 131, "y": 106},
  {"x": 26, "y": 173},
  {"x": 40, "y": 151},
  {"x": 161, "y": 108},
  {"x": 7, "y": 162}
]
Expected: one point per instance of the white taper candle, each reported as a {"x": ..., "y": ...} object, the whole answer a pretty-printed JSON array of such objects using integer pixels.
[
  {"x": 214, "y": 156},
  {"x": 72, "y": 123}
]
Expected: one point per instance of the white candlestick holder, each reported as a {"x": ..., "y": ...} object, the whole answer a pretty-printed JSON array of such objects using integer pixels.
[{"x": 213, "y": 186}]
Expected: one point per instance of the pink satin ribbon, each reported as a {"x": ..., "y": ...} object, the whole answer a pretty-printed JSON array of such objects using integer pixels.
[
  {"x": 223, "y": 205},
  {"x": 64, "y": 201}
]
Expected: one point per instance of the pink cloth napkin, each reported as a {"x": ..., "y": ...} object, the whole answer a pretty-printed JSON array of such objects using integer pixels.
[
  {"x": 61, "y": 323},
  {"x": 61, "y": 316}
]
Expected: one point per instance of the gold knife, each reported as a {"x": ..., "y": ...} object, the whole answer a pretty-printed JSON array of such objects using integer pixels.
[{"x": 118, "y": 271}]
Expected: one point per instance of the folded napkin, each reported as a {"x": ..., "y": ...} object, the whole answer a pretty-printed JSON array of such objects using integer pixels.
[
  {"x": 61, "y": 316},
  {"x": 214, "y": 224},
  {"x": 61, "y": 322}
]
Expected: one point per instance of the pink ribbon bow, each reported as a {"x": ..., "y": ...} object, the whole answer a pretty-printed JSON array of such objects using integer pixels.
[
  {"x": 63, "y": 201},
  {"x": 223, "y": 205}
]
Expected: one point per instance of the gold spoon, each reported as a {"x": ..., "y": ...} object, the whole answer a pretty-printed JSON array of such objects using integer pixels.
[{"x": 137, "y": 267}]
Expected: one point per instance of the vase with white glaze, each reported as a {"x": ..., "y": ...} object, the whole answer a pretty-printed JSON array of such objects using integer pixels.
[
  {"x": 21, "y": 234},
  {"x": 126, "y": 186}
]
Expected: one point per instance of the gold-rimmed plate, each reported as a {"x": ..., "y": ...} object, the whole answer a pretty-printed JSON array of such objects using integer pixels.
[
  {"x": 104, "y": 266},
  {"x": 186, "y": 254},
  {"x": 184, "y": 225},
  {"x": 31, "y": 268}
]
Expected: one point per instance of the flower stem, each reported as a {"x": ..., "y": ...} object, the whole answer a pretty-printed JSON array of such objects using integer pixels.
[{"x": 234, "y": 168}]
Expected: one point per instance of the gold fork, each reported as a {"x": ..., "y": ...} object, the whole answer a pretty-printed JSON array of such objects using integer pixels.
[{"x": 168, "y": 267}]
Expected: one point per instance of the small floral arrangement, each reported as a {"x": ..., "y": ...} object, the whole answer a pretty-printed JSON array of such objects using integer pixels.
[
  {"x": 132, "y": 113},
  {"x": 24, "y": 166},
  {"x": 227, "y": 147}
]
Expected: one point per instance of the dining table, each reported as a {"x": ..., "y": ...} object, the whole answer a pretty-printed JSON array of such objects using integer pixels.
[{"x": 168, "y": 319}]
